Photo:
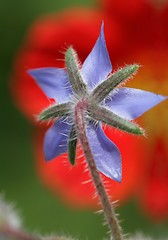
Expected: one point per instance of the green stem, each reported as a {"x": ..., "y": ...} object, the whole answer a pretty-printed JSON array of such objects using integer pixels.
[{"x": 111, "y": 218}]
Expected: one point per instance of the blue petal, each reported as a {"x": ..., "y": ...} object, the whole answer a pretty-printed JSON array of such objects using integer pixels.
[
  {"x": 131, "y": 103},
  {"x": 54, "y": 82},
  {"x": 56, "y": 138},
  {"x": 106, "y": 154},
  {"x": 97, "y": 65}
]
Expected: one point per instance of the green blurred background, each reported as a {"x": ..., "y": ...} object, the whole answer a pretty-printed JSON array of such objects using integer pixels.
[{"x": 41, "y": 211}]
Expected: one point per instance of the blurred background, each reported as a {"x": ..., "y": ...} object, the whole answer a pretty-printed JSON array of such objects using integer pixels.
[{"x": 41, "y": 210}]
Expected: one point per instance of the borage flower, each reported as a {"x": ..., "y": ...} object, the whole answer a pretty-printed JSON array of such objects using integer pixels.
[
  {"x": 100, "y": 93},
  {"x": 45, "y": 42}
]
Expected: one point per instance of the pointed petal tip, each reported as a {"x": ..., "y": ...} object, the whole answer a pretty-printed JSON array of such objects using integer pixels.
[
  {"x": 34, "y": 72},
  {"x": 131, "y": 103},
  {"x": 101, "y": 35},
  {"x": 117, "y": 177},
  {"x": 97, "y": 65},
  {"x": 162, "y": 97},
  {"x": 31, "y": 72},
  {"x": 47, "y": 157},
  {"x": 102, "y": 27},
  {"x": 54, "y": 82},
  {"x": 159, "y": 98}
]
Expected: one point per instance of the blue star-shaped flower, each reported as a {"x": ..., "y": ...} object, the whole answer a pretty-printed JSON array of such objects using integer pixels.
[{"x": 106, "y": 100}]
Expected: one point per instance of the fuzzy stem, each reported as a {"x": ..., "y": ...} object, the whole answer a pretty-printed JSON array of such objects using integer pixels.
[
  {"x": 111, "y": 219},
  {"x": 16, "y": 234}
]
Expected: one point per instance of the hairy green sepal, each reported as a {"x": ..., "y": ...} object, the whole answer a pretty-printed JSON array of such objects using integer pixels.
[
  {"x": 72, "y": 145},
  {"x": 104, "y": 115},
  {"x": 104, "y": 88},
  {"x": 72, "y": 65},
  {"x": 55, "y": 111}
]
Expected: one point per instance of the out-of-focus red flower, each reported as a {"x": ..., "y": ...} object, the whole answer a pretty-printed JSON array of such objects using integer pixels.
[
  {"x": 45, "y": 45},
  {"x": 144, "y": 28},
  {"x": 154, "y": 193}
]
